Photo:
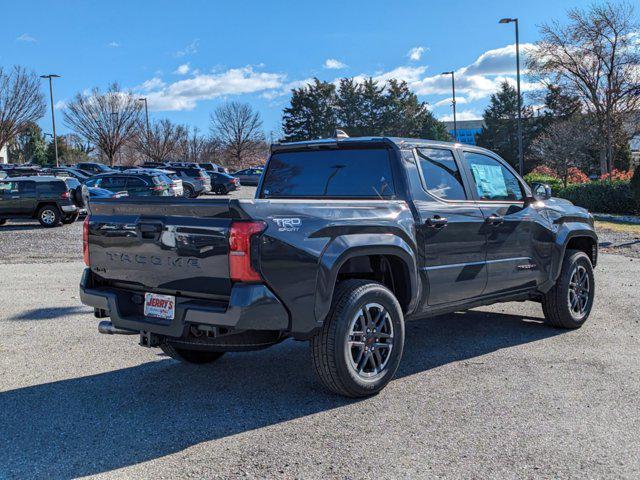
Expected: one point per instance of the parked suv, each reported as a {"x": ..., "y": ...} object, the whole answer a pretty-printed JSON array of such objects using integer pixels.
[
  {"x": 195, "y": 180},
  {"x": 136, "y": 184},
  {"x": 93, "y": 168},
  {"x": 345, "y": 240},
  {"x": 52, "y": 200},
  {"x": 249, "y": 176}
]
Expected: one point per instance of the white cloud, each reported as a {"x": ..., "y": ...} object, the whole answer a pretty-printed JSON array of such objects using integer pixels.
[
  {"x": 462, "y": 115},
  {"x": 447, "y": 101},
  {"x": 286, "y": 88},
  {"x": 498, "y": 61},
  {"x": 333, "y": 64},
  {"x": 184, "y": 94},
  {"x": 415, "y": 53},
  {"x": 113, "y": 44},
  {"x": 60, "y": 105},
  {"x": 151, "y": 84},
  {"x": 182, "y": 69},
  {"x": 190, "y": 49},
  {"x": 25, "y": 37}
]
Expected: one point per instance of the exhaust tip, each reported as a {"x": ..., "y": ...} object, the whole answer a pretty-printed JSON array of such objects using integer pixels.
[{"x": 107, "y": 328}]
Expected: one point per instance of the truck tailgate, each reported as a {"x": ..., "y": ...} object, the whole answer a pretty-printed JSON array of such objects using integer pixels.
[{"x": 177, "y": 246}]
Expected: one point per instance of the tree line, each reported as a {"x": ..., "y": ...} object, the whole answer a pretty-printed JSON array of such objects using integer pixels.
[{"x": 582, "y": 116}]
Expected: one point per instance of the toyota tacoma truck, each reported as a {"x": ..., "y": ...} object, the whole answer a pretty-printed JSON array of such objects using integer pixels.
[{"x": 345, "y": 240}]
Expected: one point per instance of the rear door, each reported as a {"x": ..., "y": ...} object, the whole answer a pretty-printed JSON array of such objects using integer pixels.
[
  {"x": 512, "y": 225},
  {"x": 28, "y": 197},
  {"x": 450, "y": 230}
]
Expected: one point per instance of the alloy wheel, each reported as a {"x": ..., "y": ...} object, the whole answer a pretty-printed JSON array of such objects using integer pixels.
[
  {"x": 579, "y": 291},
  {"x": 369, "y": 341}
]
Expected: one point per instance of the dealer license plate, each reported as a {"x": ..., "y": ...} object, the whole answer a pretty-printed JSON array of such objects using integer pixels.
[{"x": 159, "y": 306}]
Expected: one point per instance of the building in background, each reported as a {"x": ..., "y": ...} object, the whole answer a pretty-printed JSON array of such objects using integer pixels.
[
  {"x": 4, "y": 154},
  {"x": 467, "y": 130}
]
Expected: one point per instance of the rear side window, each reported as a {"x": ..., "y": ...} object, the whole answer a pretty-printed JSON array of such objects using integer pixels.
[
  {"x": 440, "y": 173},
  {"x": 134, "y": 182},
  {"x": 72, "y": 183},
  {"x": 352, "y": 173},
  {"x": 52, "y": 187},
  {"x": 26, "y": 187},
  {"x": 111, "y": 183}
]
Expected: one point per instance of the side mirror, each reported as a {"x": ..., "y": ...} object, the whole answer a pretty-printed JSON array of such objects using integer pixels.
[{"x": 541, "y": 191}]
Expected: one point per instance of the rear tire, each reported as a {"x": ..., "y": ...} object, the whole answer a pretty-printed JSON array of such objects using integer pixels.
[
  {"x": 220, "y": 190},
  {"x": 355, "y": 353},
  {"x": 70, "y": 218},
  {"x": 568, "y": 304},
  {"x": 189, "y": 192},
  {"x": 190, "y": 356},
  {"x": 49, "y": 216},
  {"x": 3, "y": 221}
]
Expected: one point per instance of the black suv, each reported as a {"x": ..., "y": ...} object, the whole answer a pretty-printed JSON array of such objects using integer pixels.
[
  {"x": 140, "y": 184},
  {"x": 51, "y": 200},
  {"x": 93, "y": 168}
]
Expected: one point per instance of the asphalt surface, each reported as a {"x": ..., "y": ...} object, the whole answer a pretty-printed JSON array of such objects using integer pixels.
[{"x": 491, "y": 393}]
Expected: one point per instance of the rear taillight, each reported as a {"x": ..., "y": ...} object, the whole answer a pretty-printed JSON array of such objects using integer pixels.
[
  {"x": 240, "y": 234},
  {"x": 85, "y": 240},
  {"x": 201, "y": 178},
  {"x": 65, "y": 195},
  {"x": 158, "y": 188}
]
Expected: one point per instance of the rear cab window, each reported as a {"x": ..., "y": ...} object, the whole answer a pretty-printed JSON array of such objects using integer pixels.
[{"x": 344, "y": 173}]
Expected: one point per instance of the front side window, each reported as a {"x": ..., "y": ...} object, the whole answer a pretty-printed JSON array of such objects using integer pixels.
[
  {"x": 348, "y": 173},
  {"x": 113, "y": 183},
  {"x": 440, "y": 173},
  {"x": 6, "y": 187},
  {"x": 493, "y": 180}
]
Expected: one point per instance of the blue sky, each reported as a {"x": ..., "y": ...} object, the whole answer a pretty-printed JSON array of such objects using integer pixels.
[{"x": 189, "y": 56}]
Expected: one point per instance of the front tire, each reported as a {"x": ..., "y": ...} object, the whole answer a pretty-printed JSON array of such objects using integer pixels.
[
  {"x": 358, "y": 349},
  {"x": 49, "y": 216},
  {"x": 568, "y": 304},
  {"x": 3, "y": 221},
  {"x": 190, "y": 356}
]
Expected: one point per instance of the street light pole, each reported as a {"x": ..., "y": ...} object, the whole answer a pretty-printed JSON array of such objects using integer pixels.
[
  {"x": 520, "y": 152},
  {"x": 146, "y": 112},
  {"x": 53, "y": 115},
  {"x": 453, "y": 102}
]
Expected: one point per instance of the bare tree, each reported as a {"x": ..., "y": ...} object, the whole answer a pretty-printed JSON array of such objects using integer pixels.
[
  {"x": 21, "y": 102},
  {"x": 107, "y": 120},
  {"x": 565, "y": 144},
  {"x": 597, "y": 58},
  {"x": 161, "y": 142},
  {"x": 78, "y": 143},
  {"x": 238, "y": 128},
  {"x": 195, "y": 147}
]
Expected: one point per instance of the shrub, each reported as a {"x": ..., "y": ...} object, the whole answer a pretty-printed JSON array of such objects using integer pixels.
[
  {"x": 554, "y": 182},
  {"x": 543, "y": 170},
  {"x": 617, "y": 175},
  {"x": 611, "y": 196},
  {"x": 575, "y": 175}
]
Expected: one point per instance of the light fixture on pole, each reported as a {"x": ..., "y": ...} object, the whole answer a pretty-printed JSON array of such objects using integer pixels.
[
  {"x": 53, "y": 115},
  {"x": 453, "y": 102},
  {"x": 146, "y": 112},
  {"x": 520, "y": 153}
]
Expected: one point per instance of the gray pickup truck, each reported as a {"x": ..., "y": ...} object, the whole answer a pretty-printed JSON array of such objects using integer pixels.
[{"x": 345, "y": 241}]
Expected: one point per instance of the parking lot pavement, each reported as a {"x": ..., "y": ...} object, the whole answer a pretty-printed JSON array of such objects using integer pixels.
[{"x": 491, "y": 393}]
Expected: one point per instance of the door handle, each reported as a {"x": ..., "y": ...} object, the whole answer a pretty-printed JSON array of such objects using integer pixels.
[
  {"x": 436, "y": 221},
  {"x": 494, "y": 219}
]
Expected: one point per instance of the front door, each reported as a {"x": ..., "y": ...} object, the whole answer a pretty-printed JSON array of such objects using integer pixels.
[
  {"x": 450, "y": 230},
  {"x": 512, "y": 225}
]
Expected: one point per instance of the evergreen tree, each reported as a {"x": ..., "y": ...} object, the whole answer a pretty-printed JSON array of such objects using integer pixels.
[
  {"x": 500, "y": 131},
  {"x": 364, "y": 108},
  {"x": 312, "y": 113},
  {"x": 560, "y": 104},
  {"x": 28, "y": 146}
]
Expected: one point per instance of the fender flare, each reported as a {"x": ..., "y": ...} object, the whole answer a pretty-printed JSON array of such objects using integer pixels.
[
  {"x": 345, "y": 247},
  {"x": 566, "y": 232}
]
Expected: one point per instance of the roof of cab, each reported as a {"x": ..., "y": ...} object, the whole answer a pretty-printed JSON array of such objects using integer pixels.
[{"x": 333, "y": 142}]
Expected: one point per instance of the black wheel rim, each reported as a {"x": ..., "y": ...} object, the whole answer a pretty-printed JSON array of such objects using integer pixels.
[
  {"x": 369, "y": 341},
  {"x": 579, "y": 291}
]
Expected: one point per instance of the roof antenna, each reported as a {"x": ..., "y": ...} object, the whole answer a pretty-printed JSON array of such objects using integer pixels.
[{"x": 340, "y": 134}]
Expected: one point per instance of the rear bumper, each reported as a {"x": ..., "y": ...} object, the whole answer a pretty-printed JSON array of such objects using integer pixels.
[
  {"x": 69, "y": 208},
  {"x": 250, "y": 307}
]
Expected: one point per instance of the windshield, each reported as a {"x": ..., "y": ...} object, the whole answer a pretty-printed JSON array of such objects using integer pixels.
[{"x": 349, "y": 173}]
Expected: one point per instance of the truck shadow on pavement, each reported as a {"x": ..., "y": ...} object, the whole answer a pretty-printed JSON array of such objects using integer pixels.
[
  {"x": 52, "y": 313},
  {"x": 102, "y": 422}
]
